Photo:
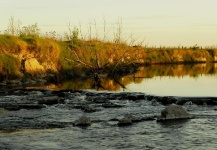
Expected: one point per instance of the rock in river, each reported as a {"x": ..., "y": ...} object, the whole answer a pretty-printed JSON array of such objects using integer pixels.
[
  {"x": 110, "y": 105},
  {"x": 51, "y": 100},
  {"x": 12, "y": 107},
  {"x": 127, "y": 120},
  {"x": 172, "y": 112},
  {"x": 83, "y": 121}
]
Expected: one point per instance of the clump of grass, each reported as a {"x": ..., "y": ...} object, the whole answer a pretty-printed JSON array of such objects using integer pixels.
[
  {"x": 44, "y": 50},
  {"x": 12, "y": 45},
  {"x": 9, "y": 66}
]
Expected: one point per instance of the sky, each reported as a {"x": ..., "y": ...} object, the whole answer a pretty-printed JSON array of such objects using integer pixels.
[{"x": 155, "y": 22}]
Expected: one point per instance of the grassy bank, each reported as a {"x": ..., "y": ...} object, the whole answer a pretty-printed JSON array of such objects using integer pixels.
[
  {"x": 83, "y": 57},
  {"x": 28, "y": 54}
]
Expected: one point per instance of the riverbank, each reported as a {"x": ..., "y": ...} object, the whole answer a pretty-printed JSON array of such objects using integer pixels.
[{"x": 34, "y": 59}]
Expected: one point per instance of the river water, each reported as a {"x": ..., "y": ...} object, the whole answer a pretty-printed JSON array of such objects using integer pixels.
[
  {"x": 18, "y": 132},
  {"x": 203, "y": 85},
  {"x": 197, "y": 133},
  {"x": 163, "y": 80}
]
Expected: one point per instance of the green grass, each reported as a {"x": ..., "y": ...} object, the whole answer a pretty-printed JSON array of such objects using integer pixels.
[
  {"x": 9, "y": 66},
  {"x": 11, "y": 44}
]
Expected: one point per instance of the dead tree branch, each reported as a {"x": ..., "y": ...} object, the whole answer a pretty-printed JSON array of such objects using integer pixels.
[{"x": 77, "y": 59}]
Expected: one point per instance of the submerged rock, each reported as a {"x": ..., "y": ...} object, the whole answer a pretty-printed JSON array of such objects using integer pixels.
[
  {"x": 110, "y": 105},
  {"x": 83, "y": 121},
  {"x": 167, "y": 100},
  {"x": 97, "y": 99},
  {"x": 129, "y": 119},
  {"x": 86, "y": 108},
  {"x": 12, "y": 107},
  {"x": 172, "y": 112},
  {"x": 36, "y": 93},
  {"x": 51, "y": 100},
  {"x": 31, "y": 106},
  {"x": 198, "y": 101},
  {"x": 154, "y": 102}
]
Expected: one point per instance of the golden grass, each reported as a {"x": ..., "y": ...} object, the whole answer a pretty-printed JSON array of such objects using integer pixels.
[{"x": 108, "y": 57}]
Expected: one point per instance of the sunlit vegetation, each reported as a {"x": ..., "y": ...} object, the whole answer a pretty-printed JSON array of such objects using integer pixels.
[
  {"x": 9, "y": 66},
  {"x": 73, "y": 55}
]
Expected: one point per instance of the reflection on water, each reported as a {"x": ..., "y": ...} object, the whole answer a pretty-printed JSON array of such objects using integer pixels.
[
  {"x": 174, "y": 80},
  {"x": 203, "y": 85}
]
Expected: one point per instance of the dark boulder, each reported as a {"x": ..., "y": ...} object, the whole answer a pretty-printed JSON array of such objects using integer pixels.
[
  {"x": 149, "y": 97},
  {"x": 172, "y": 112},
  {"x": 211, "y": 102},
  {"x": 127, "y": 120},
  {"x": 135, "y": 97},
  {"x": 167, "y": 100}
]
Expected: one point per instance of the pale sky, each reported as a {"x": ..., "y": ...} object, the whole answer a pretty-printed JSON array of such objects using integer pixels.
[{"x": 158, "y": 22}]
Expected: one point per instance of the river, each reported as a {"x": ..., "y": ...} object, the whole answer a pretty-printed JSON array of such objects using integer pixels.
[
  {"x": 163, "y": 80},
  {"x": 51, "y": 127}
]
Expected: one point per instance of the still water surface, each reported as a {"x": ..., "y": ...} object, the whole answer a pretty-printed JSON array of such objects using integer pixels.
[
  {"x": 162, "y": 80},
  {"x": 203, "y": 85}
]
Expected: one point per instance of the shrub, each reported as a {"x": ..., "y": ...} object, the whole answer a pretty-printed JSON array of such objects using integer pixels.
[{"x": 30, "y": 30}]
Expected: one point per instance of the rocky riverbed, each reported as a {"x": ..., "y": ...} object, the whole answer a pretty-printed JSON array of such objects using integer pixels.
[{"x": 85, "y": 119}]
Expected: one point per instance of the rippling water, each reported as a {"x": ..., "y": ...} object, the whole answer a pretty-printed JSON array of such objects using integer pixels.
[{"x": 197, "y": 133}]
